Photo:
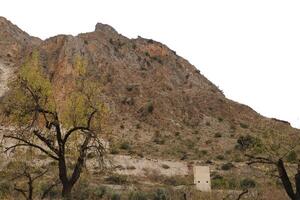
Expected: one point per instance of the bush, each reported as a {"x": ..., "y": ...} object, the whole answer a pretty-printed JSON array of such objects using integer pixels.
[
  {"x": 100, "y": 191},
  {"x": 220, "y": 157},
  {"x": 218, "y": 182},
  {"x": 227, "y": 166},
  {"x": 137, "y": 196},
  {"x": 245, "y": 126},
  {"x": 218, "y": 135},
  {"x": 190, "y": 143},
  {"x": 160, "y": 194},
  {"x": 247, "y": 183},
  {"x": 4, "y": 188},
  {"x": 246, "y": 142},
  {"x": 220, "y": 119},
  {"x": 165, "y": 166},
  {"x": 292, "y": 157},
  {"x": 115, "y": 196},
  {"x": 116, "y": 179},
  {"x": 158, "y": 139},
  {"x": 125, "y": 146},
  {"x": 150, "y": 107},
  {"x": 177, "y": 180},
  {"x": 114, "y": 150}
]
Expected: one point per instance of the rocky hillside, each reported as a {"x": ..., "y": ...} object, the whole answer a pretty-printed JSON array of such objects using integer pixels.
[{"x": 161, "y": 105}]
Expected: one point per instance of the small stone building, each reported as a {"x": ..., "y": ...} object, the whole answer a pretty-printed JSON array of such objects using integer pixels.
[{"x": 202, "y": 178}]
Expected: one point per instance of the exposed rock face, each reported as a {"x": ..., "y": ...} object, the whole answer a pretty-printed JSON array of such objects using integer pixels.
[
  {"x": 159, "y": 102},
  {"x": 14, "y": 42},
  {"x": 5, "y": 74}
]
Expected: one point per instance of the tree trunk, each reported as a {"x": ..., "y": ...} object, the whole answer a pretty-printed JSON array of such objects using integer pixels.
[
  {"x": 297, "y": 183},
  {"x": 66, "y": 191},
  {"x": 285, "y": 180},
  {"x": 30, "y": 190}
]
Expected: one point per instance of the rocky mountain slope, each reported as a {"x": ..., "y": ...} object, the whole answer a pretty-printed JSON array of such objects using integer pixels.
[{"x": 161, "y": 106}]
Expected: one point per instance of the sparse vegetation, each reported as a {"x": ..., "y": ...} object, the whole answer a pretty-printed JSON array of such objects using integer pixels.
[
  {"x": 227, "y": 166},
  {"x": 247, "y": 183},
  {"x": 125, "y": 145},
  {"x": 243, "y": 125},
  {"x": 117, "y": 179},
  {"x": 218, "y": 135},
  {"x": 165, "y": 166}
]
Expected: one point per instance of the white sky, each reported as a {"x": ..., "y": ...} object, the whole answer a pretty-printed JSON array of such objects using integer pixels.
[{"x": 250, "y": 49}]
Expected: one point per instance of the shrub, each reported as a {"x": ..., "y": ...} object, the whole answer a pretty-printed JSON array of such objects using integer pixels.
[
  {"x": 114, "y": 150},
  {"x": 116, "y": 179},
  {"x": 247, "y": 183},
  {"x": 100, "y": 191},
  {"x": 219, "y": 182},
  {"x": 227, "y": 166},
  {"x": 150, "y": 107},
  {"x": 220, "y": 119},
  {"x": 4, "y": 188},
  {"x": 245, "y": 126},
  {"x": 246, "y": 142},
  {"x": 177, "y": 133},
  {"x": 137, "y": 196},
  {"x": 160, "y": 194},
  {"x": 208, "y": 141},
  {"x": 220, "y": 157},
  {"x": 125, "y": 146},
  {"x": 190, "y": 143},
  {"x": 203, "y": 152},
  {"x": 177, "y": 180},
  {"x": 158, "y": 139},
  {"x": 131, "y": 167},
  {"x": 218, "y": 135},
  {"x": 115, "y": 196},
  {"x": 292, "y": 157},
  {"x": 165, "y": 166}
]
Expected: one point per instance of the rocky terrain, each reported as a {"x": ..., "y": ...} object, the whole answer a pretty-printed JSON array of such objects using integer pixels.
[
  {"x": 161, "y": 106},
  {"x": 158, "y": 100}
]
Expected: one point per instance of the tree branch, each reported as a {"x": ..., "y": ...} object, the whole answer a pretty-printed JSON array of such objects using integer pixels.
[
  {"x": 241, "y": 195},
  {"x": 27, "y": 143},
  {"x": 72, "y": 130},
  {"x": 46, "y": 141}
]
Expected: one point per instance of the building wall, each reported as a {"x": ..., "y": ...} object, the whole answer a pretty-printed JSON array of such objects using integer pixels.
[{"x": 202, "y": 178}]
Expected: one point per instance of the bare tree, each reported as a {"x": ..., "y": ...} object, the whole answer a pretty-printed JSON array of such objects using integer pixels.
[{"x": 30, "y": 179}]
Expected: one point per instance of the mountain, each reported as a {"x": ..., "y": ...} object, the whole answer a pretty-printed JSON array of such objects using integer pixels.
[{"x": 160, "y": 104}]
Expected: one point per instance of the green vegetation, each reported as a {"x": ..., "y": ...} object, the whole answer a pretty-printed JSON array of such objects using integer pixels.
[
  {"x": 32, "y": 106},
  {"x": 247, "y": 142},
  {"x": 292, "y": 157},
  {"x": 227, "y": 166},
  {"x": 247, "y": 183},
  {"x": 125, "y": 145},
  {"x": 117, "y": 179}
]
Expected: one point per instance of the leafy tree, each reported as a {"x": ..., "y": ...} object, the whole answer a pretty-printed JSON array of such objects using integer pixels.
[{"x": 66, "y": 128}]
